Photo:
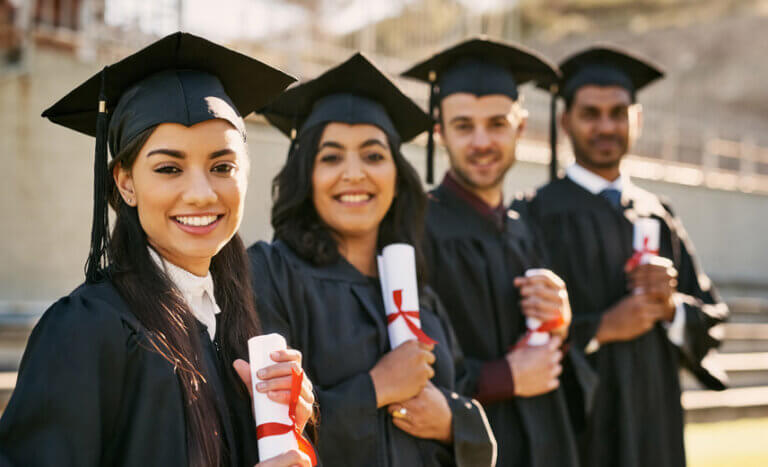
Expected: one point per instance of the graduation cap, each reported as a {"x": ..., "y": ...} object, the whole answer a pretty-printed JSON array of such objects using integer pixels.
[
  {"x": 481, "y": 67},
  {"x": 355, "y": 91},
  {"x": 182, "y": 79},
  {"x": 600, "y": 66}
]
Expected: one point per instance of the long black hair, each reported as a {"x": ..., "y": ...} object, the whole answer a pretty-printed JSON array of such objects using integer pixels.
[
  {"x": 297, "y": 223},
  {"x": 173, "y": 333}
]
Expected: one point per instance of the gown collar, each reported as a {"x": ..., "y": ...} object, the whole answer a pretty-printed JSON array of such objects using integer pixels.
[{"x": 494, "y": 214}]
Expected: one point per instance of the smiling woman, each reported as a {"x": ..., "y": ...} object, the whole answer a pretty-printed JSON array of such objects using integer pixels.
[
  {"x": 188, "y": 185},
  {"x": 344, "y": 183},
  {"x": 151, "y": 342},
  {"x": 345, "y": 192},
  {"x": 353, "y": 181}
]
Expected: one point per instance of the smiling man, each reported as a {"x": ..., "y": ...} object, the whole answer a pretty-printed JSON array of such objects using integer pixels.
[
  {"x": 478, "y": 252},
  {"x": 638, "y": 323}
]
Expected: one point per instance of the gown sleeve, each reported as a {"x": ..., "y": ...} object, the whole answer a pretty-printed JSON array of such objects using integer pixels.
[
  {"x": 69, "y": 387},
  {"x": 473, "y": 441},
  {"x": 348, "y": 410},
  {"x": 488, "y": 381},
  {"x": 704, "y": 312}
]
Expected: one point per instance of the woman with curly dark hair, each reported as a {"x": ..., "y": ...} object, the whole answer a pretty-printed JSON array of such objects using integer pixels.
[{"x": 345, "y": 192}]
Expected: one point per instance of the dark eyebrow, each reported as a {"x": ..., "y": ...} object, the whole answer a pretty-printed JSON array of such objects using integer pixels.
[
  {"x": 590, "y": 108},
  {"x": 499, "y": 117},
  {"x": 167, "y": 152},
  {"x": 373, "y": 142},
  {"x": 181, "y": 155},
  {"x": 331, "y": 144},
  {"x": 462, "y": 118},
  {"x": 221, "y": 152}
]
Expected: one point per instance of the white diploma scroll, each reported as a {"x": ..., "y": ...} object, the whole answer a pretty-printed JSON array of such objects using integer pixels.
[
  {"x": 646, "y": 239},
  {"x": 397, "y": 272},
  {"x": 533, "y": 324},
  {"x": 265, "y": 409}
]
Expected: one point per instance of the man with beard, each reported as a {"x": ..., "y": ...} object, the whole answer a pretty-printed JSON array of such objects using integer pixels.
[
  {"x": 637, "y": 322},
  {"x": 478, "y": 252}
]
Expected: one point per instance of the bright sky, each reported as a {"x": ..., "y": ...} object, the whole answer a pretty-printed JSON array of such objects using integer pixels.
[
  {"x": 217, "y": 19},
  {"x": 255, "y": 19}
]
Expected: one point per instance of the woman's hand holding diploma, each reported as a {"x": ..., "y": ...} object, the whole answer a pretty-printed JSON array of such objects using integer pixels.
[
  {"x": 402, "y": 373},
  {"x": 277, "y": 382},
  {"x": 428, "y": 415}
]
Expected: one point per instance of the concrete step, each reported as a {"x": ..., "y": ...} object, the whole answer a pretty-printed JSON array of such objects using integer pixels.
[
  {"x": 745, "y": 337},
  {"x": 743, "y": 369},
  {"x": 731, "y": 404},
  {"x": 748, "y": 310},
  {"x": 7, "y": 383},
  {"x": 743, "y": 346},
  {"x": 14, "y": 332},
  {"x": 746, "y": 331}
]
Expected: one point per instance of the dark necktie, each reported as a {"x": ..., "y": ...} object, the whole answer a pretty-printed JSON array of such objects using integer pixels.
[{"x": 613, "y": 196}]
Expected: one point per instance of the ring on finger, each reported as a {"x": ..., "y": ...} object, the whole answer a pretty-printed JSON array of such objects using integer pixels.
[{"x": 402, "y": 412}]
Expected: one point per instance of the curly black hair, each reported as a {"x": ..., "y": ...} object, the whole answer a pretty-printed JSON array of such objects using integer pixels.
[{"x": 297, "y": 223}]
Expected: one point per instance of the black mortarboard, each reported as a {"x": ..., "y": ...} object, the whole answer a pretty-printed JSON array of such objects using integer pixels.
[
  {"x": 602, "y": 66},
  {"x": 181, "y": 78},
  {"x": 606, "y": 66},
  {"x": 352, "y": 92},
  {"x": 482, "y": 67}
]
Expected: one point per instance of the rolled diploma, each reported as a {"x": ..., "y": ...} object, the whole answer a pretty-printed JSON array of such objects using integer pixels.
[
  {"x": 646, "y": 228},
  {"x": 265, "y": 410},
  {"x": 397, "y": 271},
  {"x": 537, "y": 338}
]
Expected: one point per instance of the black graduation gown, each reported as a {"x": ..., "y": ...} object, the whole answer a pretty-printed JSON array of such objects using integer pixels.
[
  {"x": 335, "y": 316},
  {"x": 637, "y": 419},
  {"x": 91, "y": 393},
  {"x": 472, "y": 266}
]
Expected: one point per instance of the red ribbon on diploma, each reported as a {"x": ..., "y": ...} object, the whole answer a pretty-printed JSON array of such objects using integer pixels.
[
  {"x": 274, "y": 428},
  {"x": 546, "y": 326},
  {"x": 634, "y": 261},
  {"x": 407, "y": 315}
]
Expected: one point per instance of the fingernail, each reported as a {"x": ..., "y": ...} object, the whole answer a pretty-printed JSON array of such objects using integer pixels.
[
  {"x": 261, "y": 387},
  {"x": 261, "y": 373},
  {"x": 274, "y": 354}
]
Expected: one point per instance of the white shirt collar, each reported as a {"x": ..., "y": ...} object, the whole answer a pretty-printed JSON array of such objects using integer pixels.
[
  {"x": 197, "y": 292},
  {"x": 593, "y": 182}
]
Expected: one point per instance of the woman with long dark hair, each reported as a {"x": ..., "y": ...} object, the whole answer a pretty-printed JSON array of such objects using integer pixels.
[
  {"x": 135, "y": 367},
  {"x": 345, "y": 192}
]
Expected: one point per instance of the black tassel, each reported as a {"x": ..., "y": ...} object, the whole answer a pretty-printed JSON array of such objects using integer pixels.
[
  {"x": 431, "y": 132},
  {"x": 96, "y": 265},
  {"x": 553, "y": 133}
]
